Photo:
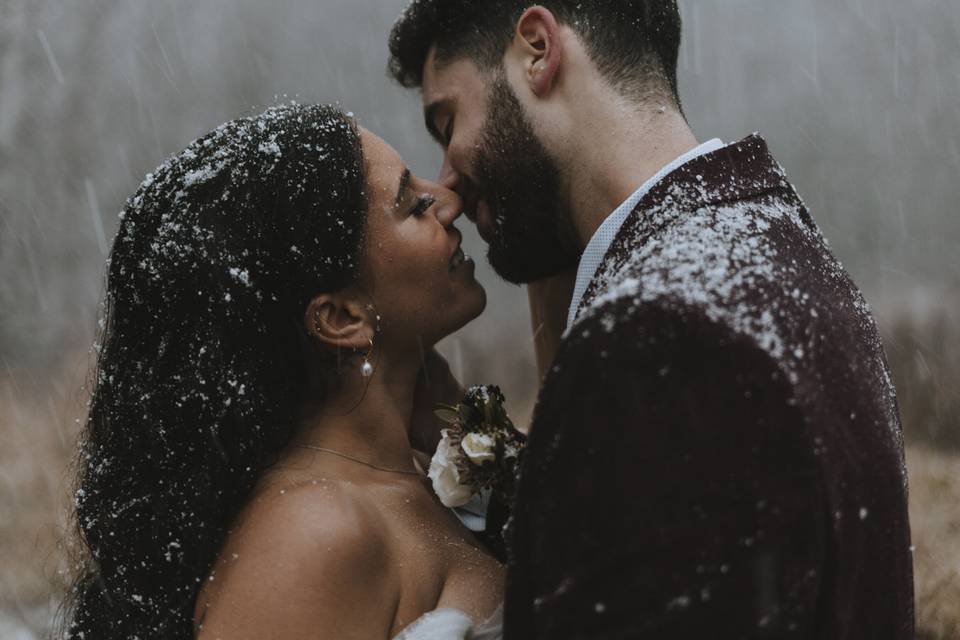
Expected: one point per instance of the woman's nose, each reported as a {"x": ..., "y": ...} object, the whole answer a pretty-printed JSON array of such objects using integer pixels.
[
  {"x": 451, "y": 206},
  {"x": 449, "y": 177}
]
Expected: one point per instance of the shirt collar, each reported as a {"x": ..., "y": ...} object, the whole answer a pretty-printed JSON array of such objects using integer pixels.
[{"x": 600, "y": 242}]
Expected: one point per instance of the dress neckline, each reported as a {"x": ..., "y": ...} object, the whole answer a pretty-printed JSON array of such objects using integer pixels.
[{"x": 455, "y": 621}]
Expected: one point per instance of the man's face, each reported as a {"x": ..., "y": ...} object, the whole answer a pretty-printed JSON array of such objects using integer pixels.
[{"x": 509, "y": 182}]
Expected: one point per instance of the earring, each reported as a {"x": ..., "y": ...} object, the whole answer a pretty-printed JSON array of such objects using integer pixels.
[
  {"x": 366, "y": 369},
  {"x": 373, "y": 309}
]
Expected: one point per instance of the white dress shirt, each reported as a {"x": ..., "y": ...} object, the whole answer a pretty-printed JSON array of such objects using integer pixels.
[{"x": 600, "y": 242}]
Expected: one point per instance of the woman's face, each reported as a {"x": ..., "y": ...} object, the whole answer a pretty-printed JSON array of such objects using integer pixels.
[{"x": 422, "y": 285}]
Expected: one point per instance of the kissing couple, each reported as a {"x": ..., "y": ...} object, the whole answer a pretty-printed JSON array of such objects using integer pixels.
[{"x": 716, "y": 449}]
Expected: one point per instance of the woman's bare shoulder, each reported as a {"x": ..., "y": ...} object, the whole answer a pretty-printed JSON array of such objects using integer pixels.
[
  {"x": 324, "y": 507},
  {"x": 298, "y": 557}
]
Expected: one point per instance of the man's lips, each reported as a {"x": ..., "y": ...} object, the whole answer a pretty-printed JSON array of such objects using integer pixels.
[
  {"x": 483, "y": 218},
  {"x": 478, "y": 211}
]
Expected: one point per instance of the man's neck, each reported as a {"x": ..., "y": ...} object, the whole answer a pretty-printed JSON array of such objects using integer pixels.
[{"x": 617, "y": 154}]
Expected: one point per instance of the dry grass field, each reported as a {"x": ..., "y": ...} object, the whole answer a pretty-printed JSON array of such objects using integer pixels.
[
  {"x": 935, "y": 518},
  {"x": 924, "y": 352},
  {"x": 38, "y": 429}
]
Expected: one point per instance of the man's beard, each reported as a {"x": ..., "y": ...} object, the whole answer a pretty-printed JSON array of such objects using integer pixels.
[{"x": 532, "y": 234}]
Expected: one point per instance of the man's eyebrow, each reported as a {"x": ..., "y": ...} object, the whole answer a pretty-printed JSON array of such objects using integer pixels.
[
  {"x": 404, "y": 182},
  {"x": 430, "y": 117}
]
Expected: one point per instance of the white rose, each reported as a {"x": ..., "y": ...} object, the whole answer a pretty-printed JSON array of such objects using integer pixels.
[
  {"x": 445, "y": 475},
  {"x": 479, "y": 448}
]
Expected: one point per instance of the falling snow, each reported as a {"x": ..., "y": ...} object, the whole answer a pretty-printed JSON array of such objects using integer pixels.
[{"x": 858, "y": 100}]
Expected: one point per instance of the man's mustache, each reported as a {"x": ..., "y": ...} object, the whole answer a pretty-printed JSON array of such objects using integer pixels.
[{"x": 471, "y": 194}]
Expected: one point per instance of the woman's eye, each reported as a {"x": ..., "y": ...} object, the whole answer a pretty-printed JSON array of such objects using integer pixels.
[{"x": 424, "y": 202}]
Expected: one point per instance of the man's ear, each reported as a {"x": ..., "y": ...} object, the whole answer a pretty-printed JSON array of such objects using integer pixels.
[
  {"x": 537, "y": 38},
  {"x": 340, "y": 320}
]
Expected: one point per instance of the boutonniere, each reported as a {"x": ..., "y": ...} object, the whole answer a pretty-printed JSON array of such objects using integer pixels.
[{"x": 480, "y": 449}]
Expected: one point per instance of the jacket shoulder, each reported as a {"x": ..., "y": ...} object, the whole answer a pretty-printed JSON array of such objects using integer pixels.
[{"x": 737, "y": 263}]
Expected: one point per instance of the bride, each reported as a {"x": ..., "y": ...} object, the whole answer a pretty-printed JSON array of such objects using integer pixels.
[{"x": 248, "y": 468}]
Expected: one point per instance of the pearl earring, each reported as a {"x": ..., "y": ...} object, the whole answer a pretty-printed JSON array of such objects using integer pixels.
[{"x": 366, "y": 369}]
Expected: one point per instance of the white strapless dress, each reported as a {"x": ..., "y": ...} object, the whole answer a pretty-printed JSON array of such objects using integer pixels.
[{"x": 452, "y": 624}]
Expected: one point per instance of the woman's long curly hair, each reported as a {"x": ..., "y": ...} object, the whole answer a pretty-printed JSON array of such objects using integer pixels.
[{"x": 203, "y": 361}]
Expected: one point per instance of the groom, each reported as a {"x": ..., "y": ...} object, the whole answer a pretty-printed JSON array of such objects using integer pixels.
[{"x": 716, "y": 451}]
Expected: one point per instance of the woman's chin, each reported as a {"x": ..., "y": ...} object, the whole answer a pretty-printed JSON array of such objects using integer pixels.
[
  {"x": 481, "y": 302},
  {"x": 471, "y": 305}
]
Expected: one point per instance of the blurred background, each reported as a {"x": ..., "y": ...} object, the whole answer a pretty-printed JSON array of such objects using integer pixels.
[{"x": 859, "y": 100}]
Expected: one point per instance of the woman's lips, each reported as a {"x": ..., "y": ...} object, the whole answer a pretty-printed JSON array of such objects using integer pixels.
[{"x": 458, "y": 259}]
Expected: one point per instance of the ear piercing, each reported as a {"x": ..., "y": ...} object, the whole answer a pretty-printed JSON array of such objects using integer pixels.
[{"x": 366, "y": 369}]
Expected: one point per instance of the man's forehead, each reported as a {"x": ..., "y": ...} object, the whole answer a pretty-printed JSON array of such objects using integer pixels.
[
  {"x": 430, "y": 87},
  {"x": 445, "y": 79}
]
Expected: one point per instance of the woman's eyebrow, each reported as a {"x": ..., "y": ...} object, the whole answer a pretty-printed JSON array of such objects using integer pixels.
[{"x": 404, "y": 182}]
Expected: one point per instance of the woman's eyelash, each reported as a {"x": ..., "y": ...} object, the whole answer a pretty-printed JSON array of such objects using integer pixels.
[{"x": 423, "y": 203}]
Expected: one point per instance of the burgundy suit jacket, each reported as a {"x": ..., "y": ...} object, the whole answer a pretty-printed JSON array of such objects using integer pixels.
[{"x": 716, "y": 452}]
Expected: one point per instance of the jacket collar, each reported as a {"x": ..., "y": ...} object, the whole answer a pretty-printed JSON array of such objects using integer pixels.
[{"x": 739, "y": 171}]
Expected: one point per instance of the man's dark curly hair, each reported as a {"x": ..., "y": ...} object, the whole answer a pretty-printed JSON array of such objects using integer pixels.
[{"x": 634, "y": 43}]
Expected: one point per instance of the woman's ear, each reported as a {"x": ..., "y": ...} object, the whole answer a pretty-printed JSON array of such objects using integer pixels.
[
  {"x": 340, "y": 320},
  {"x": 538, "y": 40}
]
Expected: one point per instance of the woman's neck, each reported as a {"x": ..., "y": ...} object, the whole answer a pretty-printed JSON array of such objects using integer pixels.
[{"x": 368, "y": 418}]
